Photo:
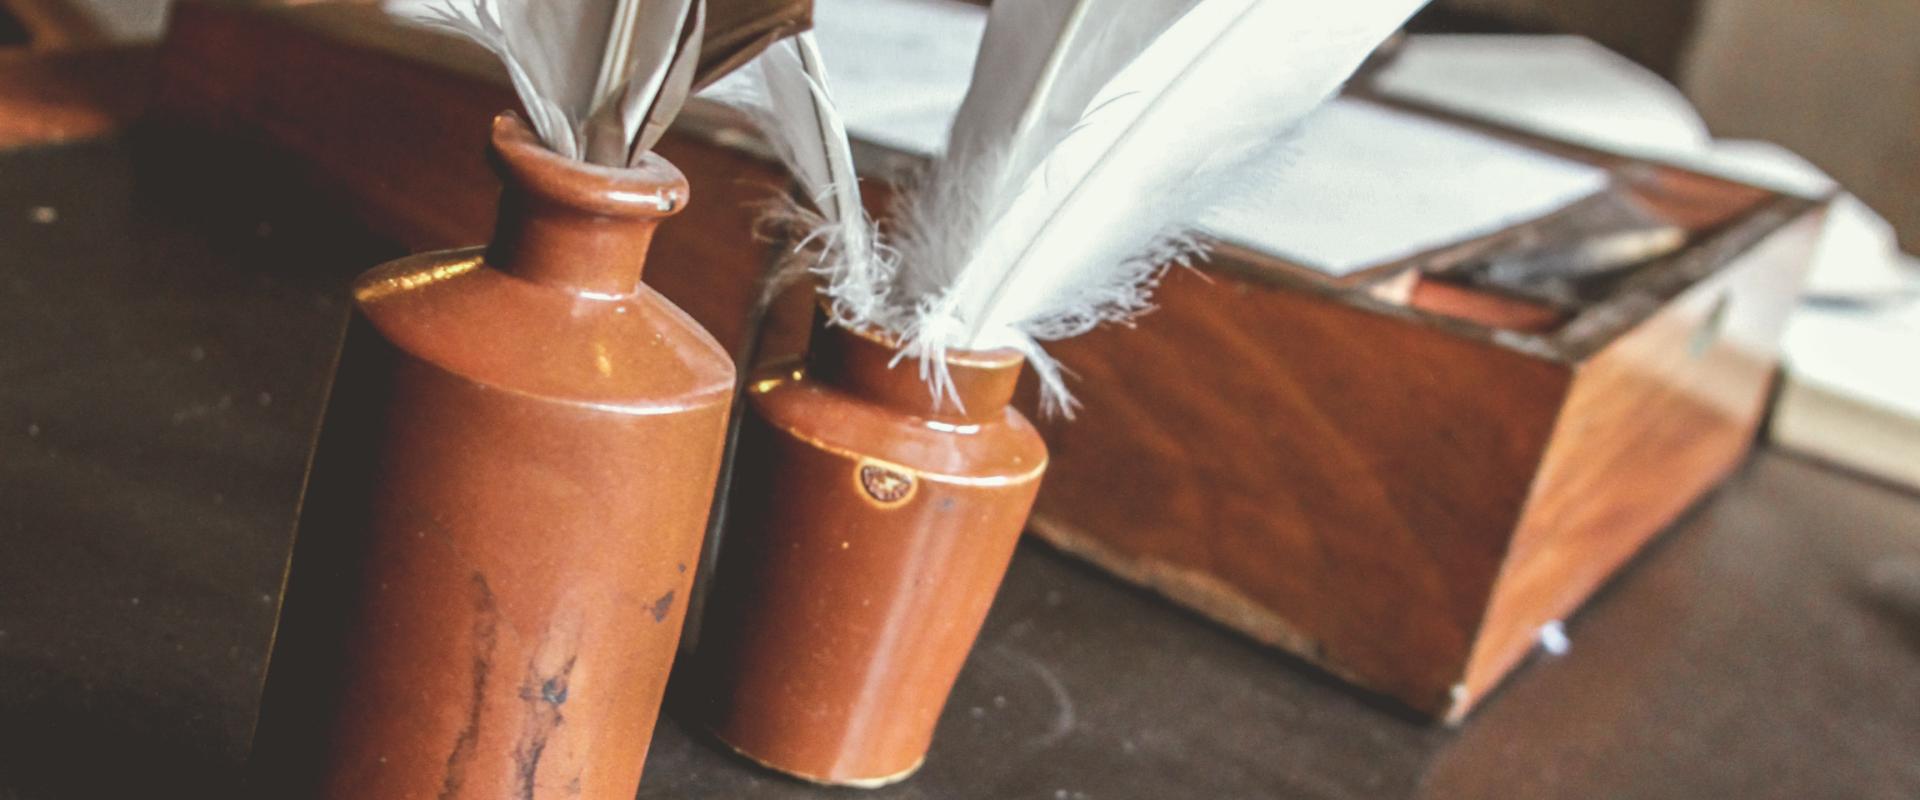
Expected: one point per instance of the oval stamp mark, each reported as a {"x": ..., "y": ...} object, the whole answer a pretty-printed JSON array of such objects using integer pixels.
[{"x": 884, "y": 483}]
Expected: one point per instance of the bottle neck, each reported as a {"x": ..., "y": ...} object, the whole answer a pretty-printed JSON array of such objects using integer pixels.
[
  {"x": 580, "y": 227},
  {"x": 553, "y": 244},
  {"x": 862, "y": 364}
]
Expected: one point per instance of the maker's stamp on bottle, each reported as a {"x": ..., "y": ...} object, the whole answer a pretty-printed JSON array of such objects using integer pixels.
[{"x": 886, "y": 484}]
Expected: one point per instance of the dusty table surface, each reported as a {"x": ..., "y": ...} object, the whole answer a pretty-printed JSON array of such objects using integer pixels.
[{"x": 164, "y": 335}]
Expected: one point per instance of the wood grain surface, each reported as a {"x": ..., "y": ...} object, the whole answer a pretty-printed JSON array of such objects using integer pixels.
[{"x": 1653, "y": 421}]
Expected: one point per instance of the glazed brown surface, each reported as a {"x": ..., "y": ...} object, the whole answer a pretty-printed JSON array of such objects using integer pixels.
[
  {"x": 868, "y": 531},
  {"x": 506, "y": 510}
]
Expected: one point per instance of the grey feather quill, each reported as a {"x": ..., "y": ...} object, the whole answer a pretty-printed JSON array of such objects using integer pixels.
[
  {"x": 785, "y": 92},
  {"x": 600, "y": 79}
]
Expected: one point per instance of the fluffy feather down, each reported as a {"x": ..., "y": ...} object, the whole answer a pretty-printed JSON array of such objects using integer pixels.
[
  {"x": 996, "y": 254},
  {"x": 784, "y": 91}
]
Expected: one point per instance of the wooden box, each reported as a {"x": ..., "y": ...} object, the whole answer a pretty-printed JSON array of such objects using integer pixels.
[
  {"x": 1405, "y": 494},
  {"x": 1397, "y": 476}
]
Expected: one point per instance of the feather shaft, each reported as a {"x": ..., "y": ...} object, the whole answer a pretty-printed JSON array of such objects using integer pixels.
[{"x": 601, "y": 79}]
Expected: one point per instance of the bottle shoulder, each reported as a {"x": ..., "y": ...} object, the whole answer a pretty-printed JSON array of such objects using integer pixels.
[
  {"x": 1004, "y": 448},
  {"x": 637, "y": 353}
]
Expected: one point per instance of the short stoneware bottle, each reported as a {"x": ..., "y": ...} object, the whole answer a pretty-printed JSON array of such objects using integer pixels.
[
  {"x": 868, "y": 528},
  {"x": 505, "y": 510}
]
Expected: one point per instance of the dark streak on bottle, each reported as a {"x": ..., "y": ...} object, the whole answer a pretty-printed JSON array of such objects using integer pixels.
[
  {"x": 486, "y": 625},
  {"x": 545, "y": 694},
  {"x": 662, "y": 606}
]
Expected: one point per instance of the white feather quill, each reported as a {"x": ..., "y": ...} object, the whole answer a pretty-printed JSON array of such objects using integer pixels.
[
  {"x": 785, "y": 92},
  {"x": 994, "y": 255},
  {"x": 597, "y": 77},
  {"x": 1039, "y": 64},
  {"x": 1048, "y": 58}
]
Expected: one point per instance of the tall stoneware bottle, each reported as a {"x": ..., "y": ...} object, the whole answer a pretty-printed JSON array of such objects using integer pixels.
[
  {"x": 504, "y": 513},
  {"x": 868, "y": 530}
]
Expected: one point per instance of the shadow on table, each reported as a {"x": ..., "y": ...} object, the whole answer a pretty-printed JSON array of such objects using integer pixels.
[{"x": 169, "y": 308}]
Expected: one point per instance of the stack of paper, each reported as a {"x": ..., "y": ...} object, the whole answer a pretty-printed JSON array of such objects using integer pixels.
[{"x": 1852, "y": 394}]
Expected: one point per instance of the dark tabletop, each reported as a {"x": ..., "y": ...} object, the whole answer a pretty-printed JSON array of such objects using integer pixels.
[{"x": 163, "y": 339}]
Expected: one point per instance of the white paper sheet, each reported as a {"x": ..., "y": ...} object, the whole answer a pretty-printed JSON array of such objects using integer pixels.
[
  {"x": 1364, "y": 185},
  {"x": 1565, "y": 87}
]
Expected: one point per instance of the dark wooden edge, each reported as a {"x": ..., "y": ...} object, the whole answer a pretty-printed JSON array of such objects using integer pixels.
[
  {"x": 1648, "y": 289},
  {"x": 53, "y": 97},
  {"x": 54, "y": 25}
]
